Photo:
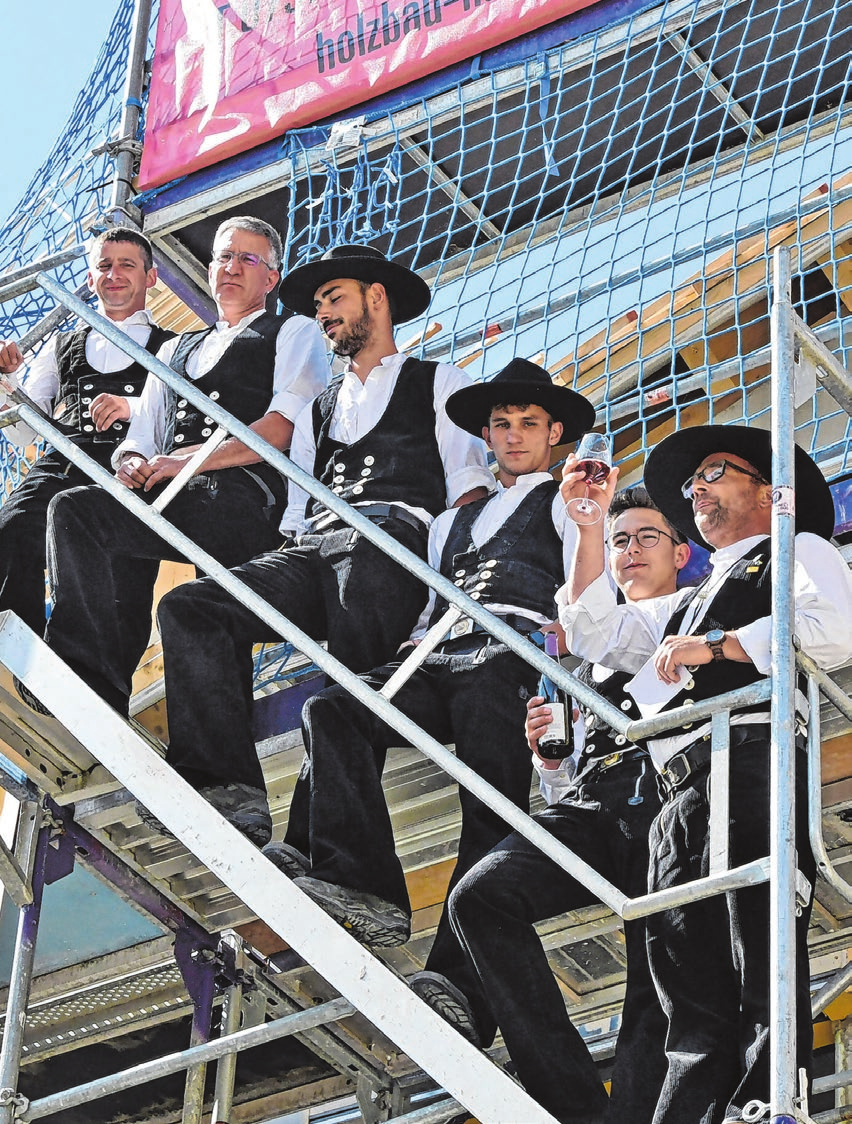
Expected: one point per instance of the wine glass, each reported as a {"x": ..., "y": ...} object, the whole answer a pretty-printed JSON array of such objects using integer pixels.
[{"x": 594, "y": 457}]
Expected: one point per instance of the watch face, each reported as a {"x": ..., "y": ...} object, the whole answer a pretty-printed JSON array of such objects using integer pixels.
[{"x": 715, "y": 636}]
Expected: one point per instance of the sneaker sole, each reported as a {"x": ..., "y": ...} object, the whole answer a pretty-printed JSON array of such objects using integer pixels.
[
  {"x": 436, "y": 995},
  {"x": 355, "y": 918}
]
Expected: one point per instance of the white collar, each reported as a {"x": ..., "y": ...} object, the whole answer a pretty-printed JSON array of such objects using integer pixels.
[{"x": 224, "y": 326}]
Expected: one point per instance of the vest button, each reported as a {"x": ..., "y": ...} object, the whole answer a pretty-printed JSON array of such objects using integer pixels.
[
  {"x": 208, "y": 421},
  {"x": 181, "y": 403},
  {"x": 117, "y": 425},
  {"x": 620, "y": 739},
  {"x": 88, "y": 428},
  {"x": 129, "y": 388},
  {"x": 485, "y": 574},
  {"x": 89, "y": 386},
  {"x": 180, "y": 414},
  {"x": 366, "y": 471},
  {"x": 337, "y": 490},
  {"x": 86, "y": 414},
  {"x": 339, "y": 479},
  {"x": 178, "y": 438},
  {"x": 690, "y": 684},
  {"x": 340, "y": 468},
  {"x": 86, "y": 401},
  {"x": 590, "y": 719},
  {"x": 476, "y": 595},
  {"x": 481, "y": 585},
  {"x": 459, "y": 581},
  {"x": 491, "y": 562},
  {"x": 357, "y": 490},
  {"x": 589, "y": 747},
  {"x": 625, "y": 704},
  {"x": 206, "y": 432},
  {"x": 460, "y": 573},
  {"x": 369, "y": 460},
  {"x": 214, "y": 395}
]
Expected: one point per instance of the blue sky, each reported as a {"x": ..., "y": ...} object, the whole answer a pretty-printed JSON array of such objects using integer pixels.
[{"x": 47, "y": 50}]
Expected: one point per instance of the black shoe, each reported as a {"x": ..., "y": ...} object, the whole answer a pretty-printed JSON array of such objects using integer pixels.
[
  {"x": 373, "y": 921},
  {"x": 244, "y": 807},
  {"x": 26, "y": 696},
  {"x": 446, "y": 1000},
  {"x": 288, "y": 859}
]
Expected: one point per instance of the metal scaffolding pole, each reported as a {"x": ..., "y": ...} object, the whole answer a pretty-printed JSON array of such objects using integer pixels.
[
  {"x": 782, "y": 884},
  {"x": 11, "y": 1101}
]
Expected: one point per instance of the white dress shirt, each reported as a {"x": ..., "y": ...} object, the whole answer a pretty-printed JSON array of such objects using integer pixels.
[
  {"x": 588, "y": 624},
  {"x": 359, "y": 407},
  {"x": 300, "y": 374},
  {"x": 622, "y": 637},
  {"x": 41, "y": 379},
  {"x": 492, "y": 517}
]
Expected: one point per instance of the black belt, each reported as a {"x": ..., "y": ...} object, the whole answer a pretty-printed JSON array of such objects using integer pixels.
[
  {"x": 602, "y": 764},
  {"x": 679, "y": 769},
  {"x": 695, "y": 757},
  {"x": 371, "y": 511},
  {"x": 476, "y": 636}
]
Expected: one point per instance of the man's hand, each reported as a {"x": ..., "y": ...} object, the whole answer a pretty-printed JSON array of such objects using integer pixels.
[
  {"x": 109, "y": 408},
  {"x": 165, "y": 466},
  {"x": 679, "y": 651},
  {"x": 574, "y": 485},
  {"x": 10, "y": 357},
  {"x": 539, "y": 717},
  {"x": 134, "y": 471}
]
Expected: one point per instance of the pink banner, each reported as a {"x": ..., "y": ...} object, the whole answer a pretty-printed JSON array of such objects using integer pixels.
[{"x": 231, "y": 74}]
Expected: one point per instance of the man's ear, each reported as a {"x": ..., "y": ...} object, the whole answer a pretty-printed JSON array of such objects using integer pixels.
[
  {"x": 486, "y": 436},
  {"x": 683, "y": 552},
  {"x": 765, "y": 497},
  {"x": 555, "y": 433}
]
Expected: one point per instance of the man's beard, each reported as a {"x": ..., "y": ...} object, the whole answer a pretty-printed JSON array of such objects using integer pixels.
[
  {"x": 350, "y": 341},
  {"x": 710, "y": 517}
]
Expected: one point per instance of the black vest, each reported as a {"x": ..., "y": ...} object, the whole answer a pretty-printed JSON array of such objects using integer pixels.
[
  {"x": 600, "y": 739},
  {"x": 398, "y": 460},
  {"x": 79, "y": 383},
  {"x": 241, "y": 383},
  {"x": 744, "y": 596},
  {"x": 520, "y": 565}
]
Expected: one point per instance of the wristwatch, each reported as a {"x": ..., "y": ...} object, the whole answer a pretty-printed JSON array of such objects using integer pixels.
[{"x": 715, "y": 641}]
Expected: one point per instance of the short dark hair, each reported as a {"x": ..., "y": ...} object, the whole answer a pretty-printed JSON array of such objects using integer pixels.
[
  {"x": 126, "y": 234},
  {"x": 637, "y": 496},
  {"x": 255, "y": 226}
]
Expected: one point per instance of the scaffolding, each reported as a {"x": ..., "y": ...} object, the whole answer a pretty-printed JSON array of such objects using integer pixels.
[
  {"x": 606, "y": 198},
  {"x": 364, "y": 985}
]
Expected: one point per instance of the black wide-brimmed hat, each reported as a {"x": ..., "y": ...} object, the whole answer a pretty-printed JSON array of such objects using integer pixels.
[
  {"x": 677, "y": 457},
  {"x": 410, "y": 295},
  {"x": 521, "y": 382}
]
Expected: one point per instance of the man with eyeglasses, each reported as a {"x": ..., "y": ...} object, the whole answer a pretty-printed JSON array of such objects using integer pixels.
[
  {"x": 259, "y": 366},
  {"x": 709, "y": 958},
  {"x": 602, "y": 803}
]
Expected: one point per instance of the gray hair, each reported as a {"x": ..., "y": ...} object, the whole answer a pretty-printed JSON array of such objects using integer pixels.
[{"x": 255, "y": 226}]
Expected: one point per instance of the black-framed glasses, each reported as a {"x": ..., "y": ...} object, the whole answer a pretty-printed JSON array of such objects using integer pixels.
[
  {"x": 714, "y": 472},
  {"x": 225, "y": 257},
  {"x": 646, "y": 537}
]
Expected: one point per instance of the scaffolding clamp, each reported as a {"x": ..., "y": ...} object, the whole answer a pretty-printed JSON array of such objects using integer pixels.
[{"x": 10, "y": 1097}]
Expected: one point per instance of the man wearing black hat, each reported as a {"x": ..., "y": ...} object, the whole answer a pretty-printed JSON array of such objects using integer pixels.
[
  {"x": 602, "y": 800},
  {"x": 510, "y": 553},
  {"x": 709, "y": 958},
  {"x": 380, "y": 438}
]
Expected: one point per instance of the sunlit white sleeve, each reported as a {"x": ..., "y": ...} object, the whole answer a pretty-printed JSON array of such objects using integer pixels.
[{"x": 822, "y": 588}]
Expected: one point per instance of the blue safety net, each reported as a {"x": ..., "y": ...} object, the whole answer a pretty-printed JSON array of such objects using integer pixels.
[{"x": 609, "y": 206}]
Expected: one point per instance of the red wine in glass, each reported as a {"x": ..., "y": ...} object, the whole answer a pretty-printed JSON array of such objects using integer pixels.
[{"x": 594, "y": 457}]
